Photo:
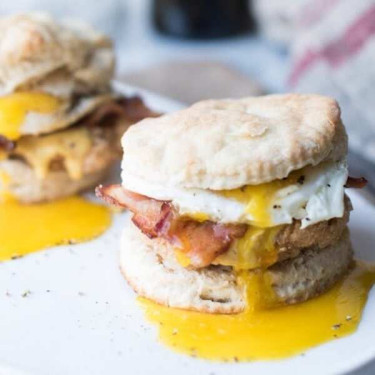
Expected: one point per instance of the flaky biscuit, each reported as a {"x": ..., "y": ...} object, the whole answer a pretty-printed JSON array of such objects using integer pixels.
[
  {"x": 34, "y": 45},
  {"x": 226, "y": 144},
  {"x": 151, "y": 269},
  {"x": 22, "y": 182}
]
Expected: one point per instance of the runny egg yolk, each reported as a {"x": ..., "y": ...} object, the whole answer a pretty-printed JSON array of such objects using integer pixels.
[
  {"x": 266, "y": 334},
  {"x": 27, "y": 228},
  {"x": 258, "y": 198},
  {"x": 255, "y": 249},
  {"x": 14, "y": 108}
]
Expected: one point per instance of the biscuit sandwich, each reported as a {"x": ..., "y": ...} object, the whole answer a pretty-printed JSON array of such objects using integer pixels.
[
  {"x": 60, "y": 121},
  {"x": 236, "y": 204}
]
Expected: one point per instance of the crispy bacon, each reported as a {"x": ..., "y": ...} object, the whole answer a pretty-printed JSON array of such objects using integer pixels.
[
  {"x": 201, "y": 242},
  {"x": 6, "y": 144},
  {"x": 150, "y": 215},
  {"x": 133, "y": 109},
  {"x": 357, "y": 183}
]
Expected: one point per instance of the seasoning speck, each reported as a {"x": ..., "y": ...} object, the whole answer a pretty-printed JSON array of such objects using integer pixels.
[
  {"x": 25, "y": 293},
  {"x": 301, "y": 180},
  {"x": 336, "y": 326}
]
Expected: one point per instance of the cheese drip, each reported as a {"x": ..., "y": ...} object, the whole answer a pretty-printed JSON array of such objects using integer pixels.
[
  {"x": 28, "y": 228},
  {"x": 14, "y": 108},
  {"x": 266, "y": 334},
  {"x": 70, "y": 146}
]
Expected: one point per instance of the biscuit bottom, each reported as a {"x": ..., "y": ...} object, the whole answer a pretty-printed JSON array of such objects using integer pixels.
[
  {"x": 152, "y": 270},
  {"x": 25, "y": 187}
]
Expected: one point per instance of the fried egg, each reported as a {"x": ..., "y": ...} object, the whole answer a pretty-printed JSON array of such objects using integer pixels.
[
  {"x": 312, "y": 194},
  {"x": 14, "y": 109}
]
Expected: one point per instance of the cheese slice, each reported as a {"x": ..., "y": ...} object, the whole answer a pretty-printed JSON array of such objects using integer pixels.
[{"x": 71, "y": 146}]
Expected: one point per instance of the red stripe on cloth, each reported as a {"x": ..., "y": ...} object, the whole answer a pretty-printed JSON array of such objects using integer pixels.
[
  {"x": 314, "y": 11},
  {"x": 340, "y": 50}
]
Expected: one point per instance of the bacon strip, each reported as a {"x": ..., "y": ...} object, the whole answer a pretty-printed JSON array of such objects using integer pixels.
[
  {"x": 357, "y": 183},
  {"x": 150, "y": 215},
  {"x": 201, "y": 242},
  {"x": 6, "y": 144},
  {"x": 133, "y": 109}
]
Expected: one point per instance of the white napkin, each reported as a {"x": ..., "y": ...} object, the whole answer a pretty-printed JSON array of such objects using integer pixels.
[{"x": 333, "y": 53}]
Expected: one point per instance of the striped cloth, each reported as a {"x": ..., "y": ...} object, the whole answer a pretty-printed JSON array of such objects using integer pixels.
[{"x": 334, "y": 54}]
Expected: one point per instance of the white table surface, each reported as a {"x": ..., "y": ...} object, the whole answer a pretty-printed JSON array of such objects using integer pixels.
[{"x": 80, "y": 316}]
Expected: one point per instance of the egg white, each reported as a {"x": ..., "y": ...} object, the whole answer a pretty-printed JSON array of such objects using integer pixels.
[{"x": 319, "y": 198}]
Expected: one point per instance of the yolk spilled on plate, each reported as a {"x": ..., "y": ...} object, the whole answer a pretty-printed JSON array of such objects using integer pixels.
[
  {"x": 28, "y": 228},
  {"x": 14, "y": 108},
  {"x": 266, "y": 334}
]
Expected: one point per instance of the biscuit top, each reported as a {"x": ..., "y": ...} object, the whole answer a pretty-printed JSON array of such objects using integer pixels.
[
  {"x": 34, "y": 46},
  {"x": 226, "y": 144}
]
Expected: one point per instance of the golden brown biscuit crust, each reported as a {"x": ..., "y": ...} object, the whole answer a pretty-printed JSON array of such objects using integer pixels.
[
  {"x": 226, "y": 144},
  {"x": 105, "y": 150},
  {"x": 35, "y": 45},
  {"x": 151, "y": 269}
]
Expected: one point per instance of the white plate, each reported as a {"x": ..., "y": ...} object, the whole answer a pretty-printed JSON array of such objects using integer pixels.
[{"x": 81, "y": 317}]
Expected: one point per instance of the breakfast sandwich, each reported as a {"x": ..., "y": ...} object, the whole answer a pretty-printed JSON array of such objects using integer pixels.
[
  {"x": 236, "y": 204},
  {"x": 60, "y": 121}
]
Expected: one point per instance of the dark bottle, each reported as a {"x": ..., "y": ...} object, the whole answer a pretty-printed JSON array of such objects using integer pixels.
[{"x": 202, "y": 19}]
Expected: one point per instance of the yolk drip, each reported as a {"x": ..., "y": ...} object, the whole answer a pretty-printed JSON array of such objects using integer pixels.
[
  {"x": 259, "y": 291},
  {"x": 258, "y": 198},
  {"x": 255, "y": 249},
  {"x": 14, "y": 107},
  {"x": 266, "y": 334},
  {"x": 198, "y": 216},
  {"x": 28, "y": 228}
]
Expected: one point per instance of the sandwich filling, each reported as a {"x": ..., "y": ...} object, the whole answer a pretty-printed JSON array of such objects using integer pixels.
[
  {"x": 245, "y": 228},
  {"x": 73, "y": 149}
]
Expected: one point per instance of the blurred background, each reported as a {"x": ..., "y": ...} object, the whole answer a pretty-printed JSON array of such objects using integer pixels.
[{"x": 195, "y": 49}]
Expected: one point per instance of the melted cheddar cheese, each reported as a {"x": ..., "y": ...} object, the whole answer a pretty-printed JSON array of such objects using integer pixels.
[
  {"x": 14, "y": 108},
  {"x": 71, "y": 146},
  {"x": 28, "y": 228},
  {"x": 266, "y": 334}
]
